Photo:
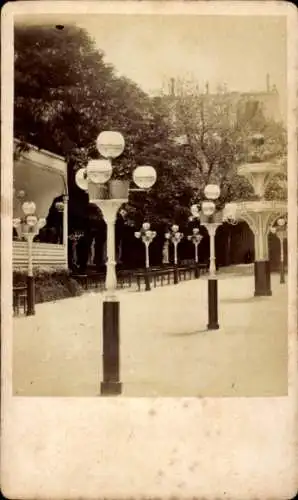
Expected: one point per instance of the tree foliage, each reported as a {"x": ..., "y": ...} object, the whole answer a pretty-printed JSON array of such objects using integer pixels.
[
  {"x": 66, "y": 93},
  {"x": 215, "y": 137}
]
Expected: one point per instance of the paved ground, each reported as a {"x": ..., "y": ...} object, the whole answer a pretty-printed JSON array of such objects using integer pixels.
[{"x": 165, "y": 347}]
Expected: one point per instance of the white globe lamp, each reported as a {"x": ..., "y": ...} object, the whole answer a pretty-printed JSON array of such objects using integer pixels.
[
  {"x": 29, "y": 207},
  {"x": 144, "y": 176},
  {"x": 99, "y": 171},
  {"x": 110, "y": 144},
  {"x": 208, "y": 208},
  {"x": 212, "y": 191},
  {"x": 31, "y": 220},
  {"x": 81, "y": 179}
]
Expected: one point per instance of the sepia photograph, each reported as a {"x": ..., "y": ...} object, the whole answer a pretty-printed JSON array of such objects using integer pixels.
[
  {"x": 149, "y": 250},
  {"x": 150, "y": 206}
]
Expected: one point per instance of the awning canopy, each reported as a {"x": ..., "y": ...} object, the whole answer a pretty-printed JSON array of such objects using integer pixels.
[{"x": 38, "y": 176}]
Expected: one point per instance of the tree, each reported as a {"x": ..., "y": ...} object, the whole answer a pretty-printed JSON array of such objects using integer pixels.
[
  {"x": 65, "y": 94},
  {"x": 215, "y": 137}
]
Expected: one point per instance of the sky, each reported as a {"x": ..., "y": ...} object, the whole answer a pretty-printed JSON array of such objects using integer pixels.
[
  {"x": 236, "y": 50},
  {"x": 226, "y": 49}
]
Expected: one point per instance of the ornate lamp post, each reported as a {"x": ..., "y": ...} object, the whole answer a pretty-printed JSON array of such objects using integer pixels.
[
  {"x": 74, "y": 238},
  {"x": 196, "y": 239},
  {"x": 212, "y": 219},
  {"x": 28, "y": 227},
  {"x": 108, "y": 195},
  {"x": 280, "y": 230},
  {"x": 175, "y": 236},
  {"x": 147, "y": 236},
  {"x": 260, "y": 213}
]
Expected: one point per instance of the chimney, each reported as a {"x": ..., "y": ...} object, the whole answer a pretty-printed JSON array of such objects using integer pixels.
[
  {"x": 207, "y": 88},
  {"x": 268, "y": 82}
]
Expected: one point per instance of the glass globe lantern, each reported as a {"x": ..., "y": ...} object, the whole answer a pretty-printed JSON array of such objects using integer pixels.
[
  {"x": 146, "y": 226},
  {"x": 99, "y": 171},
  {"x": 194, "y": 209},
  {"x": 29, "y": 207},
  {"x": 144, "y": 176},
  {"x": 281, "y": 222},
  {"x": 212, "y": 191},
  {"x": 81, "y": 179},
  {"x": 41, "y": 222},
  {"x": 175, "y": 228},
  {"x": 31, "y": 220},
  {"x": 110, "y": 144},
  {"x": 208, "y": 208}
]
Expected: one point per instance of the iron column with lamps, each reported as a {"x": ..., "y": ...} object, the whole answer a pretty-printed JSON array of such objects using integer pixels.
[
  {"x": 280, "y": 230},
  {"x": 196, "y": 239},
  {"x": 211, "y": 220},
  {"x": 147, "y": 236},
  {"x": 28, "y": 227},
  {"x": 175, "y": 236},
  {"x": 109, "y": 195}
]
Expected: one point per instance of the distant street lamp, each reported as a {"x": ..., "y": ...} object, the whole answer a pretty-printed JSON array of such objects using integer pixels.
[
  {"x": 109, "y": 195},
  {"x": 280, "y": 230},
  {"x": 175, "y": 236},
  {"x": 196, "y": 239},
  {"x": 147, "y": 236},
  {"x": 212, "y": 219},
  {"x": 28, "y": 227},
  {"x": 75, "y": 238}
]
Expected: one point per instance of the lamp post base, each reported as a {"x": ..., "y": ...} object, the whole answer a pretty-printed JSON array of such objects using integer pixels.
[
  {"x": 197, "y": 273},
  {"x": 262, "y": 279},
  {"x": 147, "y": 280},
  {"x": 212, "y": 305},
  {"x": 30, "y": 296},
  {"x": 282, "y": 273},
  {"x": 110, "y": 388},
  {"x": 176, "y": 275},
  {"x": 111, "y": 384}
]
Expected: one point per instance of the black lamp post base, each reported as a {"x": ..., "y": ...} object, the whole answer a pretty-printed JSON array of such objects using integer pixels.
[
  {"x": 282, "y": 273},
  {"x": 197, "y": 273},
  {"x": 147, "y": 280},
  {"x": 110, "y": 388},
  {"x": 213, "y": 326},
  {"x": 30, "y": 296},
  {"x": 111, "y": 384},
  {"x": 176, "y": 275},
  {"x": 262, "y": 279},
  {"x": 212, "y": 305}
]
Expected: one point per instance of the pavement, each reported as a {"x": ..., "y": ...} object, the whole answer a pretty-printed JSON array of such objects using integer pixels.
[{"x": 166, "y": 349}]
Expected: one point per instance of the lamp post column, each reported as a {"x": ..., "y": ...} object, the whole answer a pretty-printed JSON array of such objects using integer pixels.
[
  {"x": 65, "y": 228},
  {"x": 111, "y": 384},
  {"x": 212, "y": 280},
  {"x": 282, "y": 263},
  {"x": 147, "y": 264},
  {"x": 30, "y": 277},
  {"x": 196, "y": 252},
  {"x": 176, "y": 279}
]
